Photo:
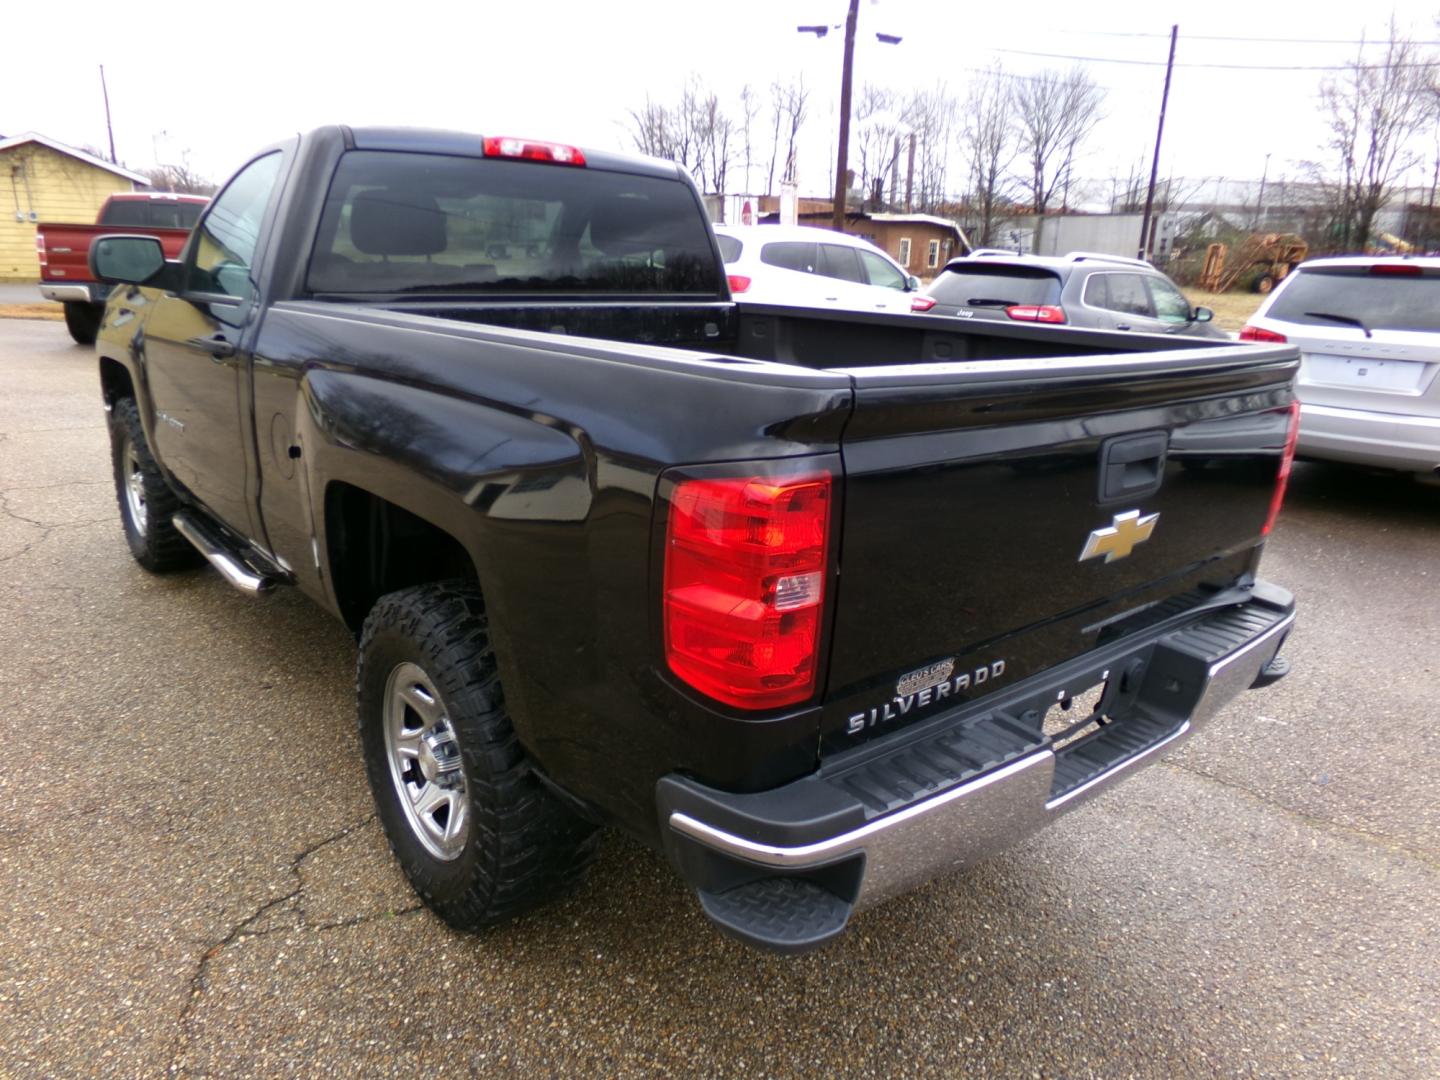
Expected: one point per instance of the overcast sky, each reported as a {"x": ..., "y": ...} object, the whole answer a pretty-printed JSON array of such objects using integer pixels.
[{"x": 217, "y": 82}]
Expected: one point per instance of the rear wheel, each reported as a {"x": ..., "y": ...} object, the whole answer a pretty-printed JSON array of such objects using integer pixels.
[
  {"x": 146, "y": 502},
  {"x": 479, "y": 836},
  {"x": 83, "y": 321},
  {"x": 1264, "y": 283}
]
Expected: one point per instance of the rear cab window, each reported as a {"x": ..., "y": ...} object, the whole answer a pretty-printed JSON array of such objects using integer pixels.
[
  {"x": 398, "y": 222},
  {"x": 126, "y": 212},
  {"x": 997, "y": 282},
  {"x": 1407, "y": 299},
  {"x": 152, "y": 214}
]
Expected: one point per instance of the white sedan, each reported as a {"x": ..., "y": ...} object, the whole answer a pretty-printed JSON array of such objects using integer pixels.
[{"x": 798, "y": 264}]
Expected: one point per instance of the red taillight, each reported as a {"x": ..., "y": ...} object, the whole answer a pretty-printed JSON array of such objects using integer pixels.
[
  {"x": 1282, "y": 478},
  {"x": 1396, "y": 269},
  {"x": 738, "y": 283},
  {"x": 745, "y": 567},
  {"x": 40, "y": 251},
  {"x": 1045, "y": 313},
  {"x": 1259, "y": 333},
  {"x": 921, "y": 303},
  {"x": 530, "y": 150}
]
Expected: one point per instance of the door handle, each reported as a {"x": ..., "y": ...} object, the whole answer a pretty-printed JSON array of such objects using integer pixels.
[
  {"x": 1122, "y": 326},
  {"x": 217, "y": 346}
]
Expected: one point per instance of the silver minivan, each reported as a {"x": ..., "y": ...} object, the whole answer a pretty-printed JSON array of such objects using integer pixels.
[{"x": 1368, "y": 329}]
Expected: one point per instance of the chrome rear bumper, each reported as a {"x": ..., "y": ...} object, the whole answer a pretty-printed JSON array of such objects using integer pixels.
[
  {"x": 886, "y": 855},
  {"x": 65, "y": 293}
]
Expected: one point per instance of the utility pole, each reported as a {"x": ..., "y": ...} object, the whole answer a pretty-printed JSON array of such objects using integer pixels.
[
  {"x": 910, "y": 174},
  {"x": 847, "y": 70},
  {"x": 1145, "y": 238},
  {"x": 842, "y": 157},
  {"x": 1260, "y": 199},
  {"x": 109, "y": 130}
]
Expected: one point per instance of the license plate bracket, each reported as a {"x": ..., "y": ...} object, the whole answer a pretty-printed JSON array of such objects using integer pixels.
[{"x": 1365, "y": 372}]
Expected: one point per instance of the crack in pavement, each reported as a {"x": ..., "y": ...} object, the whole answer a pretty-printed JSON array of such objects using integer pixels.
[
  {"x": 241, "y": 931},
  {"x": 45, "y": 530},
  {"x": 1324, "y": 824},
  {"x": 8, "y": 512}
]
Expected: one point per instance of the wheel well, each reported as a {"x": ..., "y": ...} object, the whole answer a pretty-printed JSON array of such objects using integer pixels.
[
  {"x": 114, "y": 381},
  {"x": 376, "y": 547}
]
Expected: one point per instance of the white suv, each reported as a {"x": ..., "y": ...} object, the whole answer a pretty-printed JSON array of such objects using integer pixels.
[
  {"x": 1369, "y": 335},
  {"x": 800, "y": 264}
]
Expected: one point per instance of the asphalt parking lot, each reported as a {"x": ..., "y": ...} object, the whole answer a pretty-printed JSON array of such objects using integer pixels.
[{"x": 192, "y": 882}]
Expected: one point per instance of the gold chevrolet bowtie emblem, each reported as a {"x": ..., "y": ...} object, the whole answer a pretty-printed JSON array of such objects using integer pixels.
[{"x": 1118, "y": 539}]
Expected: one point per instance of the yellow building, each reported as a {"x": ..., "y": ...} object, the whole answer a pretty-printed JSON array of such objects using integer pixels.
[{"x": 49, "y": 181}]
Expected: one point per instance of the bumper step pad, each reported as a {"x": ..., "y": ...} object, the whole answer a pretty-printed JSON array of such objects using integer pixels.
[
  {"x": 781, "y": 914},
  {"x": 1077, "y": 765}
]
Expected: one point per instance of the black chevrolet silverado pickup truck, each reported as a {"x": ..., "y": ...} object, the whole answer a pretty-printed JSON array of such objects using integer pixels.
[{"x": 820, "y": 605}]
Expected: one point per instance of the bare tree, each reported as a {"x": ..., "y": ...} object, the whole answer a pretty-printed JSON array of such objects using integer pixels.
[
  {"x": 1057, "y": 111},
  {"x": 875, "y": 127},
  {"x": 989, "y": 142},
  {"x": 931, "y": 117},
  {"x": 179, "y": 178},
  {"x": 694, "y": 132},
  {"x": 749, "y": 110},
  {"x": 789, "y": 104},
  {"x": 1373, "y": 108}
]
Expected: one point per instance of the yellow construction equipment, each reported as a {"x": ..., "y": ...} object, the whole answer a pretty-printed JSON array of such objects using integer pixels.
[{"x": 1263, "y": 259}]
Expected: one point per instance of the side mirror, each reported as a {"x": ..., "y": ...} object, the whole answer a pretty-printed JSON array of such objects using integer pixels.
[
  {"x": 912, "y": 284},
  {"x": 126, "y": 260},
  {"x": 1203, "y": 314}
]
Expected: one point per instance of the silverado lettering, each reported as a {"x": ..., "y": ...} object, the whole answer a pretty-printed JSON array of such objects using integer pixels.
[{"x": 924, "y": 698}]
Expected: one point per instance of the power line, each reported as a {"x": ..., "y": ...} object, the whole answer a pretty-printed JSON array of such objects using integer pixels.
[
  {"x": 1227, "y": 67},
  {"x": 1274, "y": 40},
  {"x": 1017, "y": 76}
]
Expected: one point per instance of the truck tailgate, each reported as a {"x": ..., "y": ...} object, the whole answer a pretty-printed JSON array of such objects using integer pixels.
[{"x": 1000, "y": 517}]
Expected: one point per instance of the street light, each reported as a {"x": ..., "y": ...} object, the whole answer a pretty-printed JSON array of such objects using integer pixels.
[{"x": 846, "y": 71}]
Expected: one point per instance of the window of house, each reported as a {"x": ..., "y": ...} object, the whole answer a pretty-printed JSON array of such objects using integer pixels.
[
  {"x": 932, "y": 258},
  {"x": 905, "y": 252}
]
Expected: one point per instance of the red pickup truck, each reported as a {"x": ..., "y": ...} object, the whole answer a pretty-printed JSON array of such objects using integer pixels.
[{"x": 64, "y": 250}]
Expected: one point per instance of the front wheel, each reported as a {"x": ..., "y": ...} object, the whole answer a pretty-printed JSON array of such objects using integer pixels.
[
  {"x": 480, "y": 838},
  {"x": 83, "y": 321}
]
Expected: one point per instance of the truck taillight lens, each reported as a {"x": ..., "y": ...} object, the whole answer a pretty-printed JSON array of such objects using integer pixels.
[
  {"x": 1282, "y": 479},
  {"x": 40, "y": 252},
  {"x": 1259, "y": 333},
  {"x": 921, "y": 303},
  {"x": 532, "y": 150},
  {"x": 739, "y": 283},
  {"x": 745, "y": 568},
  {"x": 1046, "y": 313}
]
